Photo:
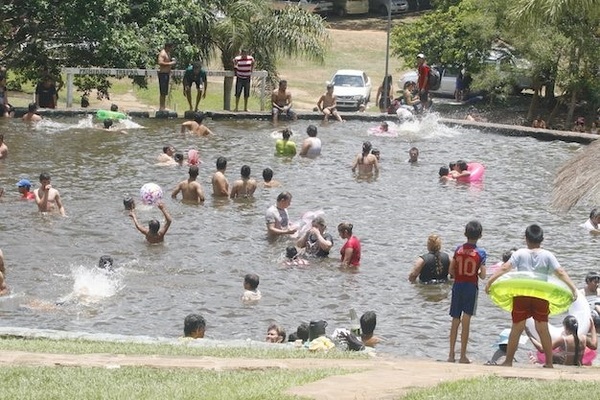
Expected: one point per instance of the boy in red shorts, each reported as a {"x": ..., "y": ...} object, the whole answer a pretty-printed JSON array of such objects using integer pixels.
[
  {"x": 467, "y": 266},
  {"x": 542, "y": 262}
]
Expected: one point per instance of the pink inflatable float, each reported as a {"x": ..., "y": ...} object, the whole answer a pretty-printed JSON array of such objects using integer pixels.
[{"x": 476, "y": 169}]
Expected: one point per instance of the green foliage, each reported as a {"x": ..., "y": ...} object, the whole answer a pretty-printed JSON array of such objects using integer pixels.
[
  {"x": 494, "y": 388},
  {"x": 153, "y": 383},
  {"x": 460, "y": 35}
]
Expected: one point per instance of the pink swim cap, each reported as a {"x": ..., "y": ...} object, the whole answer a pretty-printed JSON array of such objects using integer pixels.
[{"x": 193, "y": 157}]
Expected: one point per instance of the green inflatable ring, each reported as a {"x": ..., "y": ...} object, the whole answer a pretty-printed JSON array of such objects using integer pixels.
[
  {"x": 105, "y": 114},
  {"x": 514, "y": 284}
]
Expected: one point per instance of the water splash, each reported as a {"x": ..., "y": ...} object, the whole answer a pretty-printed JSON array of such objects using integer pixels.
[{"x": 91, "y": 286}]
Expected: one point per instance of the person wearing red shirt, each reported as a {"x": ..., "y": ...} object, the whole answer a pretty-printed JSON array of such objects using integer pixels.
[
  {"x": 423, "y": 81},
  {"x": 350, "y": 251},
  {"x": 467, "y": 267}
]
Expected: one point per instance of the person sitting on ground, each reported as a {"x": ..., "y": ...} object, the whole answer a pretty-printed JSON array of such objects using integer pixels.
[
  {"x": 154, "y": 233},
  {"x": 284, "y": 146},
  {"x": 539, "y": 123},
  {"x": 275, "y": 334},
  {"x": 194, "y": 326},
  {"x": 368, "y": 321},
  {"x": 327, "y": 105},
  {"x": 413, "y": 155},
  {"x": 269, "y": 182},
  {"x": 311, "y": 147},
  {"x": 166, "y": 157},
  {"x": 251, "y": 292},
  {"x": 196, "y": 126},
  {"x": 31, "y": 115},
  {"x": 568, "y": 349},
  {"x": 190, "y": 188},
  {"x": 431, "y": 267},
  {"x": 293, "y": 258},
  {"x": 244, "y": 187},
  {"x": 281, "y": 100},
  {"x": 24, "y": 187},
  {"x": 592, "y": 224},
  {"x": 316, "y": 241},
  {"x": 106, "y": 263}
]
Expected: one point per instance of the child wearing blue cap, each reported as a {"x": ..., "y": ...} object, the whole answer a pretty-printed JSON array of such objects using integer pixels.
[{"x": 24, "y": 186}]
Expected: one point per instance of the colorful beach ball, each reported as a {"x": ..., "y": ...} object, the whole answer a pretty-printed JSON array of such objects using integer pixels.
[{"x": 151, "y": 194}]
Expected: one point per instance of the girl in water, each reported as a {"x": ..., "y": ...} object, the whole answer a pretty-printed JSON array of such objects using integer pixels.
[
  {"x": 293, "y": 258},
  {"x": 350, "y": 251},
  {"x": 431, "y": 267},
  {"x": 569, "y": 348},
  {"x": 366, "y": 162}
]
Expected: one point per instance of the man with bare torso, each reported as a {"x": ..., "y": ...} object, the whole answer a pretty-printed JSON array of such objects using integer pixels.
[
  {"x": 46, "y": 197},
  {"x": 281, "y": 100},
  {"x": 245, "y": 186},
  {"x": 220, "y": 184},
  {"x": 196, "y": 126},
  {"x": 3, "y": 147},
  {"x": 327, "y": 104},
  {"x": 165, "y": 63},
  {"x": 190, "y": 188}
]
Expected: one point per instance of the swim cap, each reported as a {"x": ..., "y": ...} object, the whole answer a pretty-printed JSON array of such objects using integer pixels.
[{"x": 24, "y": 183}]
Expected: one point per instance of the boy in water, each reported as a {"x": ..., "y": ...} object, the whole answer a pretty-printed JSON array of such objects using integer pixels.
[
  {"x": 46, "y": 197},
  {"x": 533, "y": 259},
  {"x": 251, "y": 292},
  {"x": 194, "y": 326},
  {"x": 154, "y": 233},
  {"x": 466, "y": 266}
]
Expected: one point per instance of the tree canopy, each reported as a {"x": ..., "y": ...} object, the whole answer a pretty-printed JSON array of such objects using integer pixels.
[
  {"x": 129, "y": 33},
  {"x": 561, "y": 39}
]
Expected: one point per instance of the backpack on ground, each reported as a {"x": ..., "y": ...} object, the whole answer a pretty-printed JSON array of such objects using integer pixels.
[{"x": 434, "y": 79}]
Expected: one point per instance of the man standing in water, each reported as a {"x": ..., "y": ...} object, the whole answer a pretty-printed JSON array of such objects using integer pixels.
[
  {"x": 165, "y": 63},
  {"x": 220, "y": 184},
  {"x": 278, "y": 220},
  {"x": 190, "y": 188},
  {"x": 46, "y": 197},
  {"x": 244, "y": 187}
]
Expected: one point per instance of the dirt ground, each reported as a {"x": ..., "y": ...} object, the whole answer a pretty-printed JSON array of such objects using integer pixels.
[{"x": 379, "y": 377}]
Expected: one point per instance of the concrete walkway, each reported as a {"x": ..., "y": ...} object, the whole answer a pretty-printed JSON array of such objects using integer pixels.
[{"x": 376, "y": 378}]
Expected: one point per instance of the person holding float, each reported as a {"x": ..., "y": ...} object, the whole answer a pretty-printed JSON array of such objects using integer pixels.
[
  {"x": 536, "y": 304},
  {"x": 467, "y": 172}
]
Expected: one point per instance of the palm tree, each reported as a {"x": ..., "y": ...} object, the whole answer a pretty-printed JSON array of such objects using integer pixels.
[{"x": 268, "y": 34}]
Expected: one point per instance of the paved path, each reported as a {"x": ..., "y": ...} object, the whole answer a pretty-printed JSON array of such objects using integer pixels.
[{"x": 377, "y": 378}]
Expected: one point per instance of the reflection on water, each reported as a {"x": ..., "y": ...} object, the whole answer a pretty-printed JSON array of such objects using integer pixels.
[{"x": 209, "y": 248}]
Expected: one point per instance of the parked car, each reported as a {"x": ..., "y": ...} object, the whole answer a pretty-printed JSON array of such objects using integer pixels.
[
  {"x": 352, "y": 88},
  {"x": 317, "y": 6},
  {"x": 497, "y": 57},
  {"x": 382, "y": 6},
  {"x": 447, "y": 83}
]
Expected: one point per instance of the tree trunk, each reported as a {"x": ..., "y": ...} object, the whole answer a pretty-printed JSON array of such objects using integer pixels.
[
  {"x": 227, "y": 86},
  {"x": 571, "y": 111},
  {"x": 534, "y": 100}
]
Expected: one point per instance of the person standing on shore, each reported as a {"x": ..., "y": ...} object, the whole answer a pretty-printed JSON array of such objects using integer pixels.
[
  {"x": 542, "y": 262},
  {"x": 467, "y": 267},
  {"x": 195, "y": 74},
  {"x": 423, "y": 81},
  {"x": 243, "y": 65},
  {"x": 165, "y": 63}
]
